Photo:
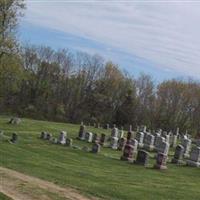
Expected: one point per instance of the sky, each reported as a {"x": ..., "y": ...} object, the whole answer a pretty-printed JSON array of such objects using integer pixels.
[{"x": 160, "y": 38}]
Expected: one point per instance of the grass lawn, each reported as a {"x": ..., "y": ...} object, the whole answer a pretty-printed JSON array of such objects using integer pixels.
[
  {"x": 102, "y": 175},
  {"x": 4, "y": 197}
]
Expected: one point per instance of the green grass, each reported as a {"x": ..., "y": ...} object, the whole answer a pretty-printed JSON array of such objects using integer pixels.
[
  {"x": 4, "y": 197},
  {"x": 102, "y": 175}
]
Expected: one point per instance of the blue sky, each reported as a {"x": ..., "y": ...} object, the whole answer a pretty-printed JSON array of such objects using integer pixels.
[{"x": 156, "y": 37}]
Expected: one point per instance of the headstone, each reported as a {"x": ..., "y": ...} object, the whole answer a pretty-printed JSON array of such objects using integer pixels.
[
  {"x": 187, "y": 146},
  {"x": 102, "y": 139},
  {"x": 69, "y": 142},
  {"x": 194, "y": 159},
  {"x": 121, "y": 144},
  {"x": 121, "y": 133},
  {"x": 164, "y": 133},
  {"x": 48, "y": 136},
  {"x": 88, "y": 136},
  {"x": 140, "y": 138},
  {"x": 158, "y": 142},
  {"x": 167, "y": 138},
  {"x": 97, "y": 125},
  {"x": 15, "y": 120},
  {"x": 14, "y": 138},
  {"x": 43, "y": 135},
  {"x": 114, "y": 132},
  {"x": 81, "y": 135},
  {"x": 114, "y": 142},
  {"x": 161, "y": 161},
  {"x": 178, "y": 155},
  {"x": 148, "y": 142},
  {"x": 62, "y": 137},
  {"x": 143, "y": 128},
  {"x": 142, "y": 158},
  {"x": 129, "y": 135},
  {"x": 163, "y": 148},
  {"x": 96, "y": 148},
  {"x": 130, "y": 150},
  {"x": 156, "y": 135},
  {"x": 55, "y": 141},
  {"x": 173, "y": 140},
  {"x": 95, "y": 138}
]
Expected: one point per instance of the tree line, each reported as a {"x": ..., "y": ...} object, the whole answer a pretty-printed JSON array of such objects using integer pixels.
[{"x": 43, "y": 83}]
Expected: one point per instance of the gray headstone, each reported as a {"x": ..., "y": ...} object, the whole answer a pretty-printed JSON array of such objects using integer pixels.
[
  {"x": 142, "y": 158},
  {"x": 88, "y": 136},
  {"x": 114, "y": 142},
  {"x": 194, "y": 159},
  {"x": 48, "y": 136},
  {"x": 102, "y": 139},
  {"x": 82, "y": 131},
  {"x": 149, "y": 142},
  {"x": 121, "y": 143},
  {"x": 158, "y": 142},
  {"x": 96, "y": 148},
  {"x": 140, "y": 138},
  {"x": 163, "y": 148},
  {"x": 15, "y": 120},
  {"x": 114, "y": 132},
  {"x": 95, "y": 138},
  {"x": 43, "y": 135},
  {"x": 121, "y": 133},
  {"x": 14, "y": 138},
  {"x": 186, "y": 143},
  {"x": 69, "y": 142},
  {"x": 62, "y": 137},
  {"x": 178, "y": 155}
]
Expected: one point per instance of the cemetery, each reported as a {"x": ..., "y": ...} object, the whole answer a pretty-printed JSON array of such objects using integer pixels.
[{"x": 162, "y": 164}]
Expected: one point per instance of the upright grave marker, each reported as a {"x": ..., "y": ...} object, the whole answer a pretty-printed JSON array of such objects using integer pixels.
[
  {"x": 194, "y": 159},
  {"x": 178, "y": 155}
]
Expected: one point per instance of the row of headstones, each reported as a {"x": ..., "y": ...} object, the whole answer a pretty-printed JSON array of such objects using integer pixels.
[
  {"x": 117, "y": 139},
  {"x": 146, "y": 139},
  {"x": 160, "y": 142},
  {"x": 13, "y": 139},
  {"x": 64, "y": 140},
  {"x": 15, "y": 120},
  {"x": 130, "y": 150},
  {"x": 90, "y": 137}
]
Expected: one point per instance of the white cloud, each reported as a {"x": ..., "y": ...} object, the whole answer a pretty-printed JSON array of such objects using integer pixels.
[{"x": 165, "y": 33}]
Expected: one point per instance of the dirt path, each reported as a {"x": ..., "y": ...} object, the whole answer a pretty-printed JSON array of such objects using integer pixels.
[{"x": 22, "y": 187}]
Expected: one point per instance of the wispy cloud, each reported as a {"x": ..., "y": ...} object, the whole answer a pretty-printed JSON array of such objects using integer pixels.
[{"x": 161, "y": 32}]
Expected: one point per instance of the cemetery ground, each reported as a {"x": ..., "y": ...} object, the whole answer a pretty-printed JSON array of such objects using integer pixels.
[{"x": 92, "y": 176}]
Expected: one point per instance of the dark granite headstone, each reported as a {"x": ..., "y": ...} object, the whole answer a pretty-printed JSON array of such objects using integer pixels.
[
  {"x": 142, "y": 158},
  {"x": 102, "y": 139},
  {"x": 14, "y": 138},
  {"x": 178, "y": 155},
  {"x": 96, "y": 148}
]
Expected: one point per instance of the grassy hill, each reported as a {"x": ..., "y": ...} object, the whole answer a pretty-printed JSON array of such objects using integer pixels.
[{"x": 102, "y": 175}]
